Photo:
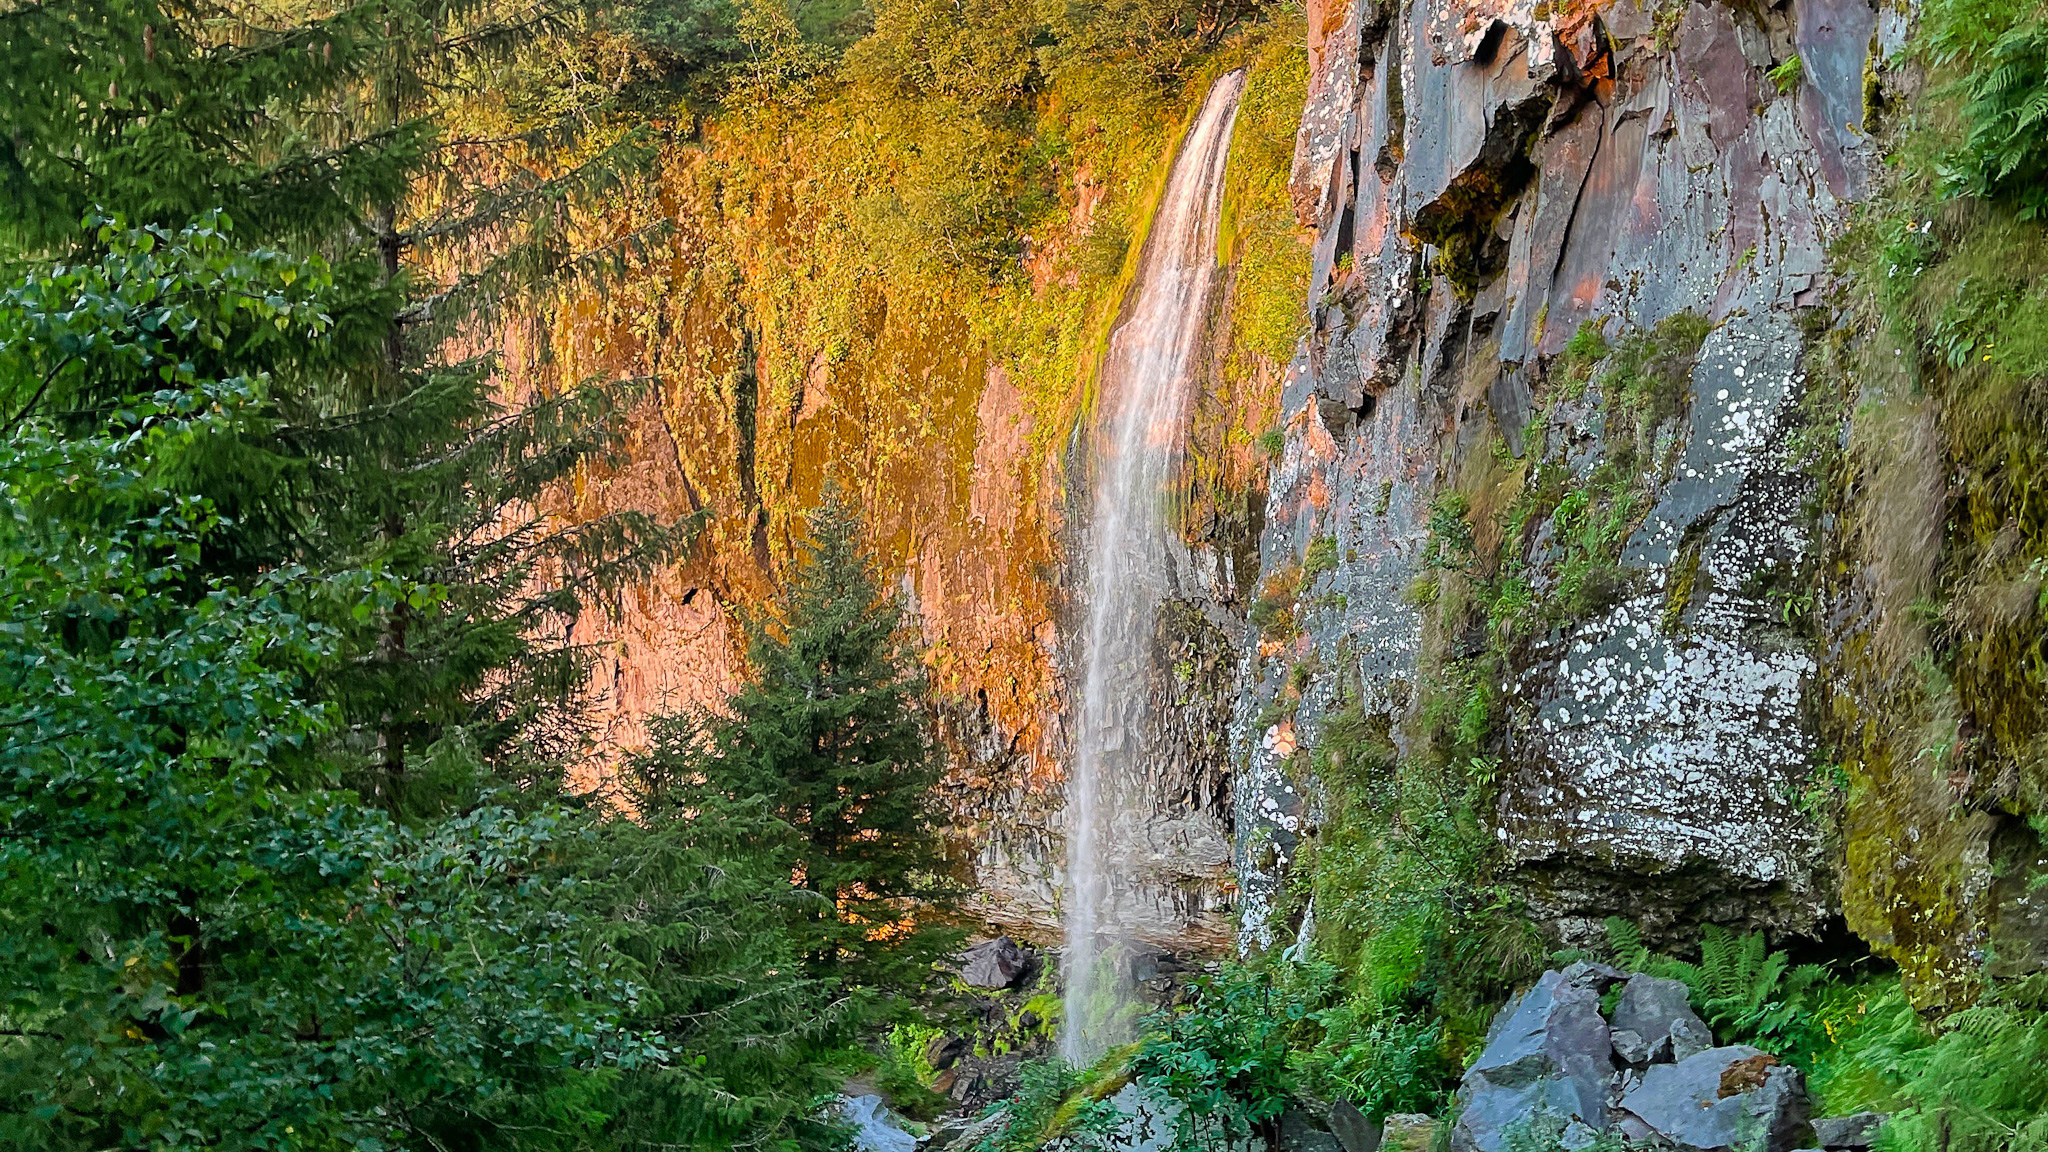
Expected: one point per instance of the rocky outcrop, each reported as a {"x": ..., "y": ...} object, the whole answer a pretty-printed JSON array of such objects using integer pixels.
[{"x": 1487, "y": 179}]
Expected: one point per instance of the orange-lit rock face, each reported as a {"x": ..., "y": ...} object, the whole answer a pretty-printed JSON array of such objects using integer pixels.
[{"x": 798, "y": 343}]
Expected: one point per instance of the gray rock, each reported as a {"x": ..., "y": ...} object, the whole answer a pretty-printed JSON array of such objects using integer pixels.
[
  {"x": 993, "y": 963},
  {"x": 1689, "y": 1038},
  {"x": 1598, "y": 977},
  {"x": 1300, "y": 1133},
  {"x": 1858, "y": 1131},
  {"x": 1547, "y": 1055},
  {"x": 1720, "y": 1100},
  {"x": 1650, "y": 1007},
  {"x": 942, "y": 1052},
  {"x": 1630, "y": 1048},
  {"x": 1353, "y": 1129}
]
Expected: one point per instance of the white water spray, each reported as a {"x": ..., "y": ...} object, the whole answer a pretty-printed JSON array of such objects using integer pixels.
[{"x": 1145, "y": 386}]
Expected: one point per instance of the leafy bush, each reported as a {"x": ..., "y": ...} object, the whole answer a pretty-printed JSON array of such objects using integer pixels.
[
  {"x": 2004, "y": 156},
  {"x": 1225, "y": 1061}
]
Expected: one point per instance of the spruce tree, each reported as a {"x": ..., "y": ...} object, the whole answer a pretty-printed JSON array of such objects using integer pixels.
[{"x": 831, "y": 730}]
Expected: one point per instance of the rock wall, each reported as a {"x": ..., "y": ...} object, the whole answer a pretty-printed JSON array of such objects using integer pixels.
[
  {"x": 1486, "y": 180},
  {"x": 795, "y": 341}
]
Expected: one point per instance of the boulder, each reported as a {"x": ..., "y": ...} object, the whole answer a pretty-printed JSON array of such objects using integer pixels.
[
  {"x": 993, "y": 963},
  {"x": 1299, "y": 1132},
  {"x": 1689, "y": 1038},
  {"x": 1650, "y": 1007},
  {"x": 1720, "y": 1100},
  {"x": 942, "y": 1051},
  {"x": 1836, "y": 1133},
  {"x": 1629, "y": 1048},
  {"x": 1354, "y": 1129},
  {"x": 1598, "y": 977},
  {"x": 966, "y": 1131},
  {"x": 1548, "y": 1055}
]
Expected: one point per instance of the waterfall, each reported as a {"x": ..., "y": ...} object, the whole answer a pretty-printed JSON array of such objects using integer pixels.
[{"x": 1143, "y": 412}]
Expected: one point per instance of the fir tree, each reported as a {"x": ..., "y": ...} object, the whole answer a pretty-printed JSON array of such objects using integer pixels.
[{"x": 831, "y": 731}]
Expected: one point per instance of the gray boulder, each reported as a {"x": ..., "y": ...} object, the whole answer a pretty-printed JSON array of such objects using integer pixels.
[
  {"x": 1592, "y": 974},
  {"x": 993, "y": 963},
  {"x": 1651, "y": 1007},
  {"x": 1630, "y": 1048},
  {"x": 1719, "y": 1100},
  {"x": 1548, "y": 1055},
  {"x": 1299, "y": 1132},
  {"x": 1689, "y": 1038},
  {"x": 943, "y": 1051},
  {"x": 1836, "y": 1133},
  {"x": 1354, "y": 1129}
]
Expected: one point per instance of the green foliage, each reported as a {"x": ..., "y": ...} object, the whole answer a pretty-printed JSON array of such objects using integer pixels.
[
  {"x": 1746, "y": 992},
  {"x": 830, "y": 731},
  {"x": 2005, "y": 105},
  {"x": 205, "y": 944},
  {"x": 1054, "y": 1099},
  {"x": 1787, "y": 76},
  {"x": 1321, "y": 558},
  {"x": 1225, "y": 1060}
]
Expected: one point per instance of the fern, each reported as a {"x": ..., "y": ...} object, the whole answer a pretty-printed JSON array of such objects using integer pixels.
[{"x": 1745, "y": 991}]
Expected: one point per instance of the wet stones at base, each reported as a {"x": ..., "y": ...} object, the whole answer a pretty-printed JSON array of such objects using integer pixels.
[{"x": 1548, "y": 1054}]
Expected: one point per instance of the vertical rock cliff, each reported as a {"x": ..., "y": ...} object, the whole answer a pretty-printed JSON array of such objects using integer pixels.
[{"x": 1569, "y": 260}]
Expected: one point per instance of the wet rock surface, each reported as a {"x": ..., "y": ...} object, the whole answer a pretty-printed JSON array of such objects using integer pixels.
[
  {"x": 1548, "y": 1054},
  {"x": 1720, "y": 1099},
  {"x": 1649, "y": 1012},
  {"x": 1840, "y": 1133}
]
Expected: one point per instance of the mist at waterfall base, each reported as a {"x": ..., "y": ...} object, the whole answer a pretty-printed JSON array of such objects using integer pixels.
[{"x": 1146, "y": 381}]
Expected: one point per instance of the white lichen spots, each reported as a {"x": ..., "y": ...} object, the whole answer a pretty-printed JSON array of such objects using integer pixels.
[{"x": 1668, "y": 748}]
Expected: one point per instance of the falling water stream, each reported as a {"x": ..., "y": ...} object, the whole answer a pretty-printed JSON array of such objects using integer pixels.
[{"x": 1146, "y": 381}]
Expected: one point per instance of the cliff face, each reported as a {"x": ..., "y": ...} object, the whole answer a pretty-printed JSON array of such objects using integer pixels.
[
  {"x": 823, "y": 309},
  {"x": 1566, "y": 553},
  {"x": 1560, "y": 482},
  {"x": 1485, "y": 180}
]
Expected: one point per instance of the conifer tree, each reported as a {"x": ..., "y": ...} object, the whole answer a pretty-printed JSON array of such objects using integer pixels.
[
  {"x": 340, "y": 130},
  {"x": 831, "y": 731}
]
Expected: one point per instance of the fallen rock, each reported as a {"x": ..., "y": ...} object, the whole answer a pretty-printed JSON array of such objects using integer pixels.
[
  {"x": 1548, "y": 1055},
  {"x": 1630, "y": 1048},
  {"x": 1354, "y": 1129},
  {"x": 1835, "y": 1133},
  {"x": 1301, "y": 1133},
  {"x": 1650, "y": 1007},
  {"x": 1689, "y": 1038},
  {"x": 1590, "y": 974},
  {"x": 993, "y": 963},
  {"x": 966, "y": 1131},
  {"x": 942, "y": 1052},
  {"x": 1720, "y": 1100}
]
